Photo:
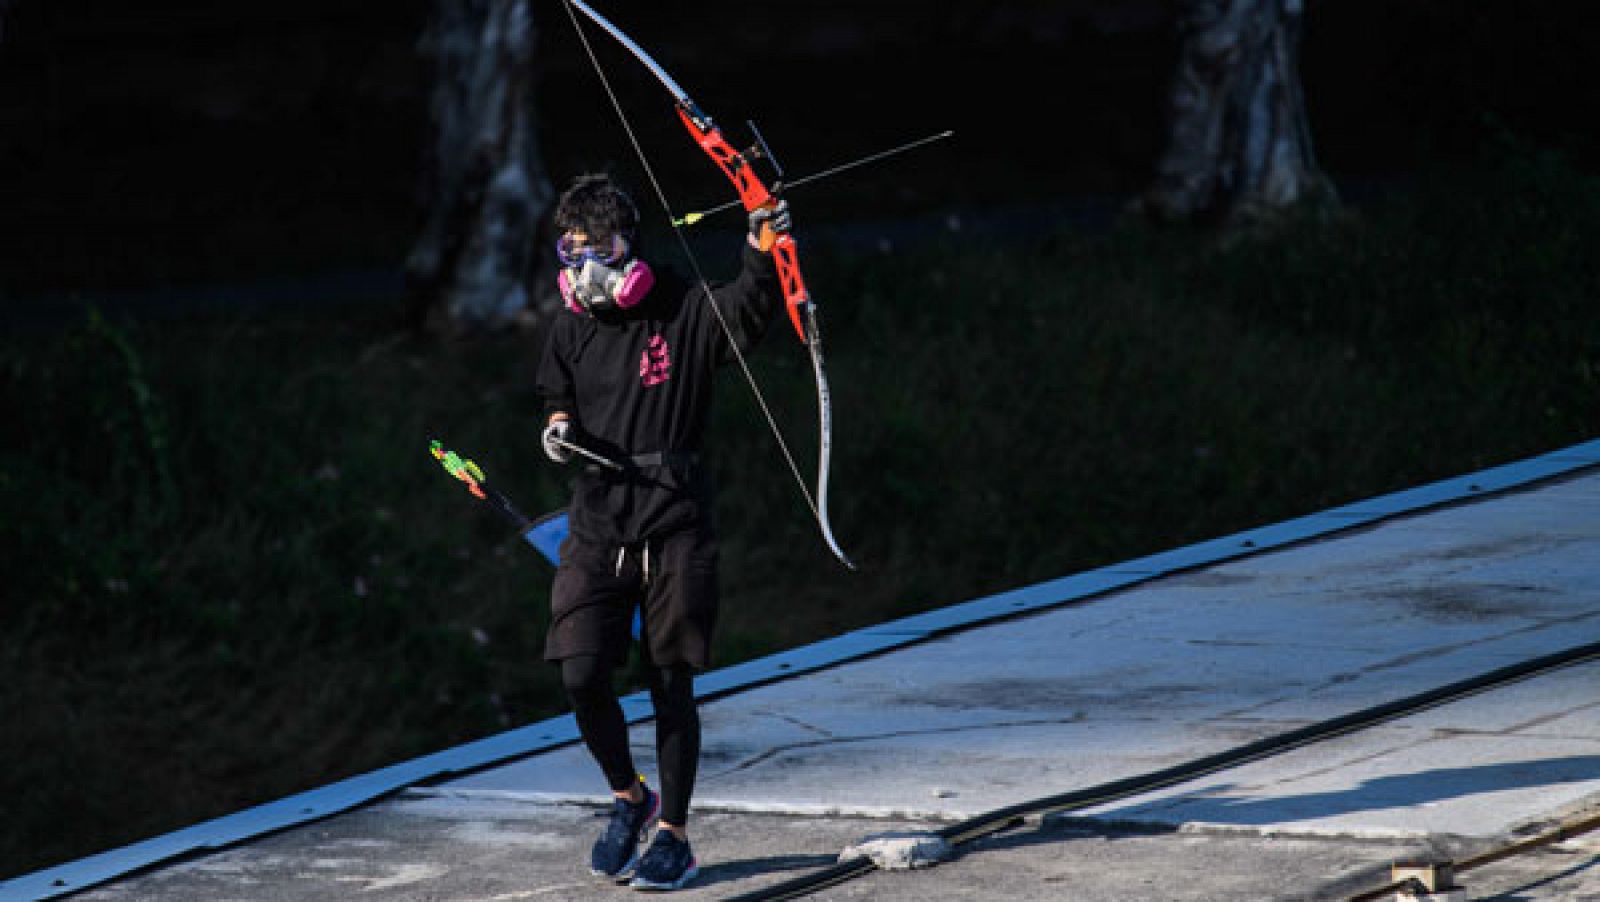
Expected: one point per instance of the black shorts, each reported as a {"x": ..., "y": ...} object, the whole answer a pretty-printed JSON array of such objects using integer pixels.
[{"x": 598, "y": 588}]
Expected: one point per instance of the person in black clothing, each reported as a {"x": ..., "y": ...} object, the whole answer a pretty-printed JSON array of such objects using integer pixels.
[{"x": 626, "y": 378}]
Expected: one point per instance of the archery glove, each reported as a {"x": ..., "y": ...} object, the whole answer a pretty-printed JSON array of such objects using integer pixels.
[
  {"x": 554, "y": 434},
  {"x": 775, "y": 216}
]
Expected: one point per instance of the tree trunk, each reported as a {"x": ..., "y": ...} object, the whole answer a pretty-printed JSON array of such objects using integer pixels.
[
  {"x": 486, "y": 190},
  {"x": 1239, "y": 147}
]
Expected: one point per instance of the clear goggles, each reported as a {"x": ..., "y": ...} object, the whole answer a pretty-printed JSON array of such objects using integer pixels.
[{"x": 573, "y": 248}]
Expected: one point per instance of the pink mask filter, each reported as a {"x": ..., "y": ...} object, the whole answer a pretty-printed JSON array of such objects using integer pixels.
[{"x": 595, "y": 286}]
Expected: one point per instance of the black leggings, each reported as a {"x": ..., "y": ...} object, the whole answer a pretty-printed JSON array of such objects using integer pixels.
[{"x": 588, "y": 683}]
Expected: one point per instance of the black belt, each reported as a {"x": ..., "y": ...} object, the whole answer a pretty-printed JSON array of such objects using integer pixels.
[{"x": 673, "y": 459}]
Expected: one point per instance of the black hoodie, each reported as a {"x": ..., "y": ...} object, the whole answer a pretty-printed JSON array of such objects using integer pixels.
[{"x": 638, "y": 382}]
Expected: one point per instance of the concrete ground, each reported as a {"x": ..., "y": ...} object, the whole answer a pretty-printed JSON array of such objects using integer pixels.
[
  {"x": 1116, "y": 685},
  {"x": 417, "y": 849}
]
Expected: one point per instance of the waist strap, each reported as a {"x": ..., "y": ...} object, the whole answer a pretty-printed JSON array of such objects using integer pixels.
[{"x": 673, "y": 459}]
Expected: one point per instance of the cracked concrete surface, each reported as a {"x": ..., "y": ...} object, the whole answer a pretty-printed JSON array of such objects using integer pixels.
[
  {"x": 1177, "y": 668},
  {"x": 1126, "y": 683}
]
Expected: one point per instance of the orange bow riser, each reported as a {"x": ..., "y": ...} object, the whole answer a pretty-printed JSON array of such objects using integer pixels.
[{"x": 755, "y": 195}]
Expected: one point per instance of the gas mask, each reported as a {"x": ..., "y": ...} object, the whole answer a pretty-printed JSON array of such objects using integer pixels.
[
  {"x": 593, "y": 287},
  {"x": 600, "y": 277}
]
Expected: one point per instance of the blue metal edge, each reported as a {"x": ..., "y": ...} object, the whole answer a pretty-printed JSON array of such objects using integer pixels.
[{"x": 501, "y": 748}]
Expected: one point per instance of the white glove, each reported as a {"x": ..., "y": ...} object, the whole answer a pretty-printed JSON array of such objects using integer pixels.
[
  {"x": 558, "y": 431},
  {"x": 775, "y": 217}
]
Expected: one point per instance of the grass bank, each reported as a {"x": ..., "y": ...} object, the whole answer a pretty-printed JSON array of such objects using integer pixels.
[{"x": 232, "y": 570}]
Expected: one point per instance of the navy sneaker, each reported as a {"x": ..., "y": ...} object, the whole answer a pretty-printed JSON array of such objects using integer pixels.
[
  {"x": 617, "y": 850},
  {"x": 667, "y": 864}
]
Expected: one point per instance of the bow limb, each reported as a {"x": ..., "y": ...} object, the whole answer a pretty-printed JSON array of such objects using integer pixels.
[
  {"x": 824, "y": 437},
  {"x": 661, "y": 75}
]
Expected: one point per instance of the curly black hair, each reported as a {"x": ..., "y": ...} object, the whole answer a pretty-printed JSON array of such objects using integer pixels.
[{"x": 596, "y": 205}]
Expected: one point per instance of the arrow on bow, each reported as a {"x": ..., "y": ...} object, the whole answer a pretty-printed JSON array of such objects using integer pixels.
[
  {"x": 697, "y": 215},
  {"x": 754, "y": 194}
]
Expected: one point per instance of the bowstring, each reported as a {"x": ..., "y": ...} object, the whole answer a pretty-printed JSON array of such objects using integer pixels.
[{"x": 694, "y": 264}]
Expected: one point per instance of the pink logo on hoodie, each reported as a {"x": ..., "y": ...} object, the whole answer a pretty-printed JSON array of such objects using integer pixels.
[{"x": 655, "y": 365}]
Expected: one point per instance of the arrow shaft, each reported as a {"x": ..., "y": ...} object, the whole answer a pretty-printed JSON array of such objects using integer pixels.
[
  {"x": 579, "y": 449},
  {"x": 831, "y": 171}
]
